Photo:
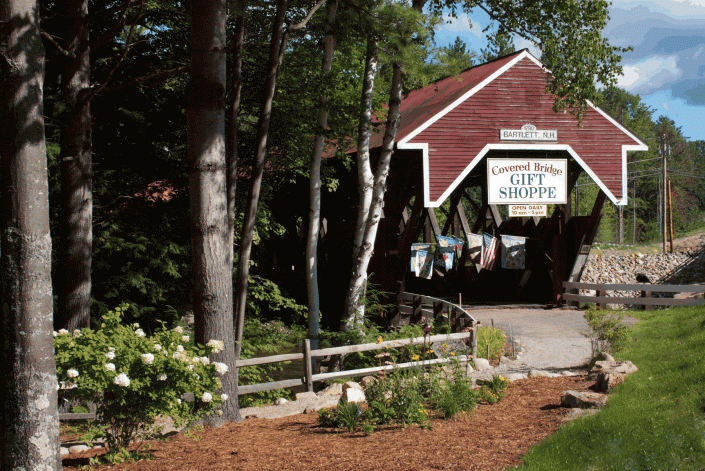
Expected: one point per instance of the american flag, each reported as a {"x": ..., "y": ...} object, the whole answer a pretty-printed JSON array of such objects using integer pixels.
[{"x": 489, "y": 250}]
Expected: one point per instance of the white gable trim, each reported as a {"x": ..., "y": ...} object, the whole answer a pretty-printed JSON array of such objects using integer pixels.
[{"x": 532, "y": 147}]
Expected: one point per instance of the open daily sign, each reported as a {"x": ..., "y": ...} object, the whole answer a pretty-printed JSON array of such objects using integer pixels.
[{"x": 527, "y": 181}]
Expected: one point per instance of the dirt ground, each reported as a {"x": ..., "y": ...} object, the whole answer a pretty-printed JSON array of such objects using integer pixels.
[{"x": 489, "y": 438}]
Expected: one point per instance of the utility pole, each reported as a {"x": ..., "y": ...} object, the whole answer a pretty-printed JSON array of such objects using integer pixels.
[{"x": 664, "y": 151}]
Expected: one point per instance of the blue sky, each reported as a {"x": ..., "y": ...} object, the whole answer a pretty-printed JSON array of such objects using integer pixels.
[{"x": 666, "y": 68}]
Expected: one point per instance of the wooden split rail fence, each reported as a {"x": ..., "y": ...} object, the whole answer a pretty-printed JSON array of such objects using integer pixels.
[
  {"x": 307, "y": 354},
  {"x": 646, "y": 298}
]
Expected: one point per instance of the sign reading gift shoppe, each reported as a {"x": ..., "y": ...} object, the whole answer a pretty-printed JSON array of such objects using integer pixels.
[{"x": 527, "y": 181}]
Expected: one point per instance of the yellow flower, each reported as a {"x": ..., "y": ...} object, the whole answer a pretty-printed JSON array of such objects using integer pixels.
[
  {"x": 452, "y": 353},
  {"x": 379, "y": 339},
  {"x": 414, "y": 357},
  {"x": 430, "y": 351}
]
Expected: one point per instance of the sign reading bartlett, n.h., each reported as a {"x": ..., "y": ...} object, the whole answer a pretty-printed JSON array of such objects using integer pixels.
[
  {"x": 528, "y": 132},
  {"x": 527, "y": 181}
]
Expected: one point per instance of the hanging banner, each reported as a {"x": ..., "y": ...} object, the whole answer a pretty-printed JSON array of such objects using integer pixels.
[
  {"x": 527, "y": 181},
  {"x": 513, "y": 252}
]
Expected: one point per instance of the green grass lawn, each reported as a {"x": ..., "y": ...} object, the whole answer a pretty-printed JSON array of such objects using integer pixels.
[{"x": 655, "y": 419}]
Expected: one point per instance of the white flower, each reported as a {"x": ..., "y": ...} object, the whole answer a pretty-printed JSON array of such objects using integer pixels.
[
  {"x": 179, "y": 401},
  {"x": 217, "y": 345},
  {"x": 147, "y": 358},
  {"x": 219, "y": 412},
  {"x": 180, "y": 356},
  {"x": 140, "y": 333},
  {"x": 122, "y": 380},
  {"x": 110, "y": 355},
  {"x": 111, "y": 349},
  {"x": 195, "y": 375},
  {"x": 190, "y": 367},
  {"x": 63, "y": 331},
  {"x": 221, "y": 368},
  {"x": 179, "y": 348},
  {"x": 162, "y": 378},
  {"x": 204, "y": 360},
  {"x": 157, "y": 347},
  {"x": 185, "y": 338},
  {"x": 110, "y": 367},
  {"x": 224, "y": 397},
  {"x": 55, "y": 333},
  {"x": 206, "y": 397},
  {"x": 76, "y": 333},
  {"x": 179, "y": 329},
  {"x": 72, "y": 373},
  {"x": 136, "y": 325}
]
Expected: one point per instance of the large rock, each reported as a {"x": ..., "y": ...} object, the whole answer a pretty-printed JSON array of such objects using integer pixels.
[
  {"x": 353, "y": 395},
  {"x": 482, "y": 364},
  {"x": 303, "y": 396},
  {"x": 582, "y": 399},
  {"x": 607, "y": 374},
  {"x": 351, "y": 385},
  {"x": 334, "y": 389},
  {"x": 78, "y": 448},
  {"x": 602, "y": 356}
]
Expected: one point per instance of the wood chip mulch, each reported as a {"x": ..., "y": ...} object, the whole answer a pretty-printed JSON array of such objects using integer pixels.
[{"x": 489, "y": 438}]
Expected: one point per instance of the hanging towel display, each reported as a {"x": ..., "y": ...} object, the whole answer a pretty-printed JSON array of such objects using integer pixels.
[
  {"x": 489, "y": 251},
  {"x": 414, "y": 248},
  {"x": 513, "y": 252},
  {"x": 475, "y": 247},
  {"x": 424, "y": 264}
]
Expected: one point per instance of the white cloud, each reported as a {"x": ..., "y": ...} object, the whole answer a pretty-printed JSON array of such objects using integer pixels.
[
  {"x": 650, "y": 73},
  {"x": 461, "y": 24},
  {"x": 674, "y": 8}
]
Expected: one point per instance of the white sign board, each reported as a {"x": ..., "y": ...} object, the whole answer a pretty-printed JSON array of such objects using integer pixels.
[
  {"x": 527, "y": 181},
  {"x": 527, "y": 210},
  {"x": 528, "y": 132}
]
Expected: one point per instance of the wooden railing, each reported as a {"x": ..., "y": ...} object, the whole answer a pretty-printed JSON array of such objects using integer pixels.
[
  {"x": 645, "y": 299},
  {"x": 420, "y": 309},
  {"x": 307, "y": 354}
]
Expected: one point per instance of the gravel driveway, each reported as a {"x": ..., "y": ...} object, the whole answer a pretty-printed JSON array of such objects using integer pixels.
[{"x": 548, "y": 339}]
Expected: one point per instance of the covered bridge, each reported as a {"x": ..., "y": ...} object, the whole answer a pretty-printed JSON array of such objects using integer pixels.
[{"x": 448, "y": 131}]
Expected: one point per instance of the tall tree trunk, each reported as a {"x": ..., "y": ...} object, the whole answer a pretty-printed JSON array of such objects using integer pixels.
[
  {"x": 212, "y": 267},
  {"x": 314, "y": 306},
  {"x": 352, "y": 312},
  {"x": 276, "y": 49},
  {"x": 76, "y": 173},
  {"x": 28, "y": 397}
]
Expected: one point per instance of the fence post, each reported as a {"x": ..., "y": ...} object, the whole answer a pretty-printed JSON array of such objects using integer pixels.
[
  {"x": 601, "y": 293},
  {"x": 646, "y": 294},
  {"x": 474, "y": 340},
  {"x": 307, "y": 365}
]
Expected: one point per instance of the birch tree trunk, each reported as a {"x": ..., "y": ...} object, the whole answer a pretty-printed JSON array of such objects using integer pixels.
[
  {"x": 314, "y": 306},
  {"x": 28, "y": 390},
  {"x": 212, "y": 263},
  {"x": 353, "y": 313},
  {"x": 76, "y": 172}
]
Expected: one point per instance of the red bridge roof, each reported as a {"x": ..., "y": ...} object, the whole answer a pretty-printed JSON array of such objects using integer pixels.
[{"x": 456, "y": 121}]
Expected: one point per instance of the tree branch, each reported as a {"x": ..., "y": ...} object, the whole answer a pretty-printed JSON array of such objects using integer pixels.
[
  {"x": 51, "y": 39},
  {"x": 147, "y": 78}
]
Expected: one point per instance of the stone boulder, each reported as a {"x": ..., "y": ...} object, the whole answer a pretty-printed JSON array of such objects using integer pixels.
[
  {"x": 607, "y": 374},
  {"x": 353, "y": 395},
  {"x": 351, "y": 385},
  {"x": 602, "y": 356},
  {"x": 334, "y": 389},
  {"x": 482, "y": 364},
  {"x": 582, "y": 400}
]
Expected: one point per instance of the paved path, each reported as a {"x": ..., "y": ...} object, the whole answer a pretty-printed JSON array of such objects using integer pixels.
[{"x": 548, "y": 338}]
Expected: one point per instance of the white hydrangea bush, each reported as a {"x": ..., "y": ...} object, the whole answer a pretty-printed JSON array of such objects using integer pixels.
[{"x": 133, "y": 377}]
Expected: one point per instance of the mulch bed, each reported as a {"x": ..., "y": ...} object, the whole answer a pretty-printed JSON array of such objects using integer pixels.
[{"x": 489, "y": 438}]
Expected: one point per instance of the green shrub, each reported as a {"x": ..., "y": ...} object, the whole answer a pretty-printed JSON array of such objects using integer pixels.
[
  {"x": 609, "y": 333},
  {"x": 492, "y": 337}
]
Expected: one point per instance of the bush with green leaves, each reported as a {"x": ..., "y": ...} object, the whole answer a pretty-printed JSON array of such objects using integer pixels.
[
  {"x": 609, "y": 333},
  {"x": 492, "y": 390},
  {"x": 492, "y": 337},
  {"x": 132, "y": 378}
]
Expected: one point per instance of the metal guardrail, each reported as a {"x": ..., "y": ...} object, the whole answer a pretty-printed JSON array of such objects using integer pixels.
[{"x": 646, "y": 297}]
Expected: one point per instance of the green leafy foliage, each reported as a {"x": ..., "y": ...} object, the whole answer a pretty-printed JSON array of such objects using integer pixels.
[
  {"x": 492, "y": 337},
  {"x": 609, "y": 333},
  {"x": 132, "y": 377}
]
